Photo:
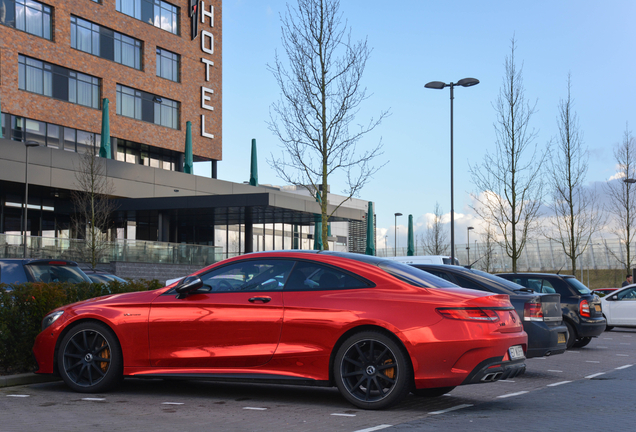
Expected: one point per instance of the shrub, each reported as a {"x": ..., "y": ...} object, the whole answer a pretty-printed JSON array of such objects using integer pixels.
[{"x": 23, "y": 306}]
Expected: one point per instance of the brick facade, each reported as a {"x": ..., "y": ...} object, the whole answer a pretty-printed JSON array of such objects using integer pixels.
[{"x": 58, "y": 51}]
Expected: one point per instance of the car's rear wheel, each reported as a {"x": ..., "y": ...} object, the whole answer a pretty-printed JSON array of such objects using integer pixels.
[
  {"x": 371, "y": 370},
  {"x": 571, "y": 335},
  {"x": 432, "y": 392},
  {"x": 89, "y": 358},
  {"x": 580, "y": 343}
]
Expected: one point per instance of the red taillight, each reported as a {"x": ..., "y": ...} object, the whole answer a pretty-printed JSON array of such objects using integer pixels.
[
  {"x": 532, "y": 312},
  {"x": 584, "y": 308},
  {"x": 469, "y": 314},
  {"x": 57, "y": 263}
]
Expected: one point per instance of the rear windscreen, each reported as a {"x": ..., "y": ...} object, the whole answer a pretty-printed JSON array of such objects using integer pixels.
[
  {"x": 574, "y": 283},
  {"x": 44, "y": 272},
  {"x": 414, "y": 276}
]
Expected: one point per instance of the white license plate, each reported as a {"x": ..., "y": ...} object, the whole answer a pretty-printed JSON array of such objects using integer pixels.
[{"x": 516, "y": 352}]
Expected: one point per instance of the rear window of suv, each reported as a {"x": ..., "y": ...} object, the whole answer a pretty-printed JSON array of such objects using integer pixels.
[{"x": 574, "y": 283}]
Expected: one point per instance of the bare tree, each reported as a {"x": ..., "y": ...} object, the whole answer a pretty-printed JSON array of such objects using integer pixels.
[
  {"x": 321, "y": 94},
  {"x": 622, "y": 206},
  {"x": 577, "y": 215},
  {"x": 487, "y": 255},
  {"x": 92, "y": 204},
  {"x": 435, "y": 239},
  {"x": 508, "y": 182}
]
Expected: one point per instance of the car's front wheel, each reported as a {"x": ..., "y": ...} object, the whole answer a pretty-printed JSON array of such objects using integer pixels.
[
  {"x": 90, "y": 359},
  {"x": 372, "y": 371}
]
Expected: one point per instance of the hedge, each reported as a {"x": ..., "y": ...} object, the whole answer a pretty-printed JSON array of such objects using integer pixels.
[{"x": 23, "y": 306}]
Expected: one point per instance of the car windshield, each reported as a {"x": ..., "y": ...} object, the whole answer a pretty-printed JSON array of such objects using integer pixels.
[
  {"x": 47, "y": 272},
  {"x": 414, "y": 276},
  {"x": 574, "y": 283}
]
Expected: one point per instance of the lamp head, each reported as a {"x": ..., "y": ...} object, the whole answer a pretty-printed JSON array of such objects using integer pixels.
[
  {"x": 398, "y": 214},
  {"x": 436, "y": 85},
  {"x": 467, "y": 82}
]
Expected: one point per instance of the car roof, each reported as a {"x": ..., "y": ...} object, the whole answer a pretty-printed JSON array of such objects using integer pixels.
[{"x": 537, "y": 274}]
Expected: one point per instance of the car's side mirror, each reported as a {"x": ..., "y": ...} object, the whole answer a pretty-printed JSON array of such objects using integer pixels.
[
  {"x": 614, "y": 297},
  {"x": 187, "y": 285}
]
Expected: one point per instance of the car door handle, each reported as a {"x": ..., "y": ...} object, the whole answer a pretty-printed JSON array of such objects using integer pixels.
[{"x": 261, "y": 299}]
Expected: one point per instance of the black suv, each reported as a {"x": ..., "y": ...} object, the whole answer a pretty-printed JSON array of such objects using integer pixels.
[
  {"x": 581, "y": 308},
  {"x": 540, "y": 314},
  {"x": 17, "y": 271}
]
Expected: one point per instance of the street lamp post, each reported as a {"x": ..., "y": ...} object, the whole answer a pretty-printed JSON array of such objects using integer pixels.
[
  {"x": 468, "y": 243},
  {"x": 26, "y": 192},
  {"x": 395, "y": 249},
  {"x": 438, "y": 85}
]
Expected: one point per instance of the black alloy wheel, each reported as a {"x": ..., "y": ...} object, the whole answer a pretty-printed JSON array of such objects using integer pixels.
[
  {"x": 89, "y": 358},
  {"x": 372, "y": 370},
  {"x": 580, "y": 343}
]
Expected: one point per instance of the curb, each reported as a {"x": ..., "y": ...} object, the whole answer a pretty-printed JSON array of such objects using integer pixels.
[{"x": 25, "y": 378}]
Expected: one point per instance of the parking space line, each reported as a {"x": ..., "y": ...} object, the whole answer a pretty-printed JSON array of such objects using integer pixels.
[
  {"x": 343, "y": 415},
  {"x": 171, "y": 403},
  {"x": 601, "y": 346},
  {"x": 511, "y": 394},
  {"x": 18, "y": 395},
  {"x": 592, "y": 361},
  {"x": 93, "y": 399},
  {"x": 623, "y": 355},
  {"x": 595, "y": 375},
  {"x": 374, "y": 428},
  {"x": 554, "y": 370},
  {"x": 608, "y": 338},
  {"x": 625, "y": 343},
  {"x": 558, "y": 383},
  {"x": 627, "y": 336},
  {"x": 624, "y": 367},
  {"x": 255, "y": 408},
  {"x": 508, "y": 381},
  {"x": 573, "y": 352},
  {"x": 455, "y": 408}
]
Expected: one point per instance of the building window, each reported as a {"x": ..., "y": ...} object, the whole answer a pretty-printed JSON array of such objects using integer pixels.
[
  {"x": 147, "y": 107},
  {"x": 51, "y": 135},
  {"x": 142, "y": 154},
  {"x": 58, "y": 82},
  {"x": 154, "y": 12},
  {"x": 105, "y": 43},
  {"x": 27, "y": 15},
  {"x": 168, "y": 65}
]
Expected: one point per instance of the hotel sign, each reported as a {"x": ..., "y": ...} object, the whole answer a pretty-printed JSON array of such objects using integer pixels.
[{"x": 197, "y": 9}]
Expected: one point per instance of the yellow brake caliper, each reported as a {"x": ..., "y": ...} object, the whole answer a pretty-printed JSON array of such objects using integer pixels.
[
  {"x": 390, "y": 373},
  {"x": 105, "y": 354}
]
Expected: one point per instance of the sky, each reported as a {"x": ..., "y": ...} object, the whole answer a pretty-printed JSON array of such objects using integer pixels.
[{"x": 417, "y": 41}]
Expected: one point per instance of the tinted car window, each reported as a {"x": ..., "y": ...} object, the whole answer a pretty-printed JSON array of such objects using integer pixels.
[
  {"x": 578, "y": 286},
  {"x": 45, "y": 272},
  {"x": 12, "y": 272},
  {"x": 628, "y": 294},
  {"x": 257, "y": 275},
  {"x": 467, "y": 283},
  {"x": 414, "y": 276},
  {"x": 439, "y": 274},
  {"x": 312, "y": 276}
]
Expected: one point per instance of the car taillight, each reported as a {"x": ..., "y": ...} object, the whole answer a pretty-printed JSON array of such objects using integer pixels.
[
  {"x": 469, "y": 314},
  {"x": 584, "y": 308},
  {"x": 532, "y": 312}
]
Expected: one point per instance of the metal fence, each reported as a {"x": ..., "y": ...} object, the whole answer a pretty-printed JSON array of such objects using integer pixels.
[
  {"x": 12, "y": 246},
  {"x": 538, "y": 255}
]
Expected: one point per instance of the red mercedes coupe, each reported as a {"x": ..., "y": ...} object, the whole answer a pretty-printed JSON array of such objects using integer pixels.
[{"x": 375, "y": 328}]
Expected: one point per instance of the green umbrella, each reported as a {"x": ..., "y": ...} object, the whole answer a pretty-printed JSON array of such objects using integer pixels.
[
  {"x": 254, "y": 166},
  {"x": 104, "y": 145},
  {"x": 188, "y": 165},
  {"x": 410, "y": 250},
  {"x": 370, "y": 232}
]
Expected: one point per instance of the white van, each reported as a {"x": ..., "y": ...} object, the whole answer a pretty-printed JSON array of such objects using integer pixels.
[{"x": 424, "y": 259}]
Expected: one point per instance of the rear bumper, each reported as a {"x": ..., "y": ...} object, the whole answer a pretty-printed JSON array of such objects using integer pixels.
[
  {"x": 543, "y": 339},
  {"x": 590, "y": 327},
  {"x": 493, "y": 369}
]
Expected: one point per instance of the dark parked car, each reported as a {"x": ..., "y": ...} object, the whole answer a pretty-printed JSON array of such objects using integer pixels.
[
  {"x": 581, "y": 308},
  {"x": 541, "y": 314},
  {"x": 17, "y": 271},
  {"x": 100, "y": 276}
]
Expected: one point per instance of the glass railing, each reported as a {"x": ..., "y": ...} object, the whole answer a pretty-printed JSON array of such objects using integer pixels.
[{"x": 12, "y": 246}]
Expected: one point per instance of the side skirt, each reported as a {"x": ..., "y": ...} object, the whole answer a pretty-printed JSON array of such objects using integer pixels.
[{"x": 243, "y": 378}]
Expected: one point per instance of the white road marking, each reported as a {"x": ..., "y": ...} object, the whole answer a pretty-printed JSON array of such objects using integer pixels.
[
  {"x": 343, "y": 415},
  {"x": 624, "y": 367},
  {"x": 574, "y": 352},
  {"x": 540, "y": 358},
  {"x": 255, "y": 408},
  {"x": 608, "y": 338},
  {"x": 623, "y": 355},
  {"x": 595, "y": 375},
  {"x": 627, "y": 336},
  {"x": 455, "y": 408},
  {"x": 601, "y": 346},
  {"x": 374, "y": 428},
  {"x": 17, "y": 395},
  {"x": 93, "y": 399},
  {"x": 512, "y": 394},
  {"x": 508, "y": 381},
  {"x": 591, "y": 361},
  {"x": 554, "y": 370},
  {"x": 171, "y": 403},
  {"x": 558, "y": 383},
  {"x": 625, "y": 343}
]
